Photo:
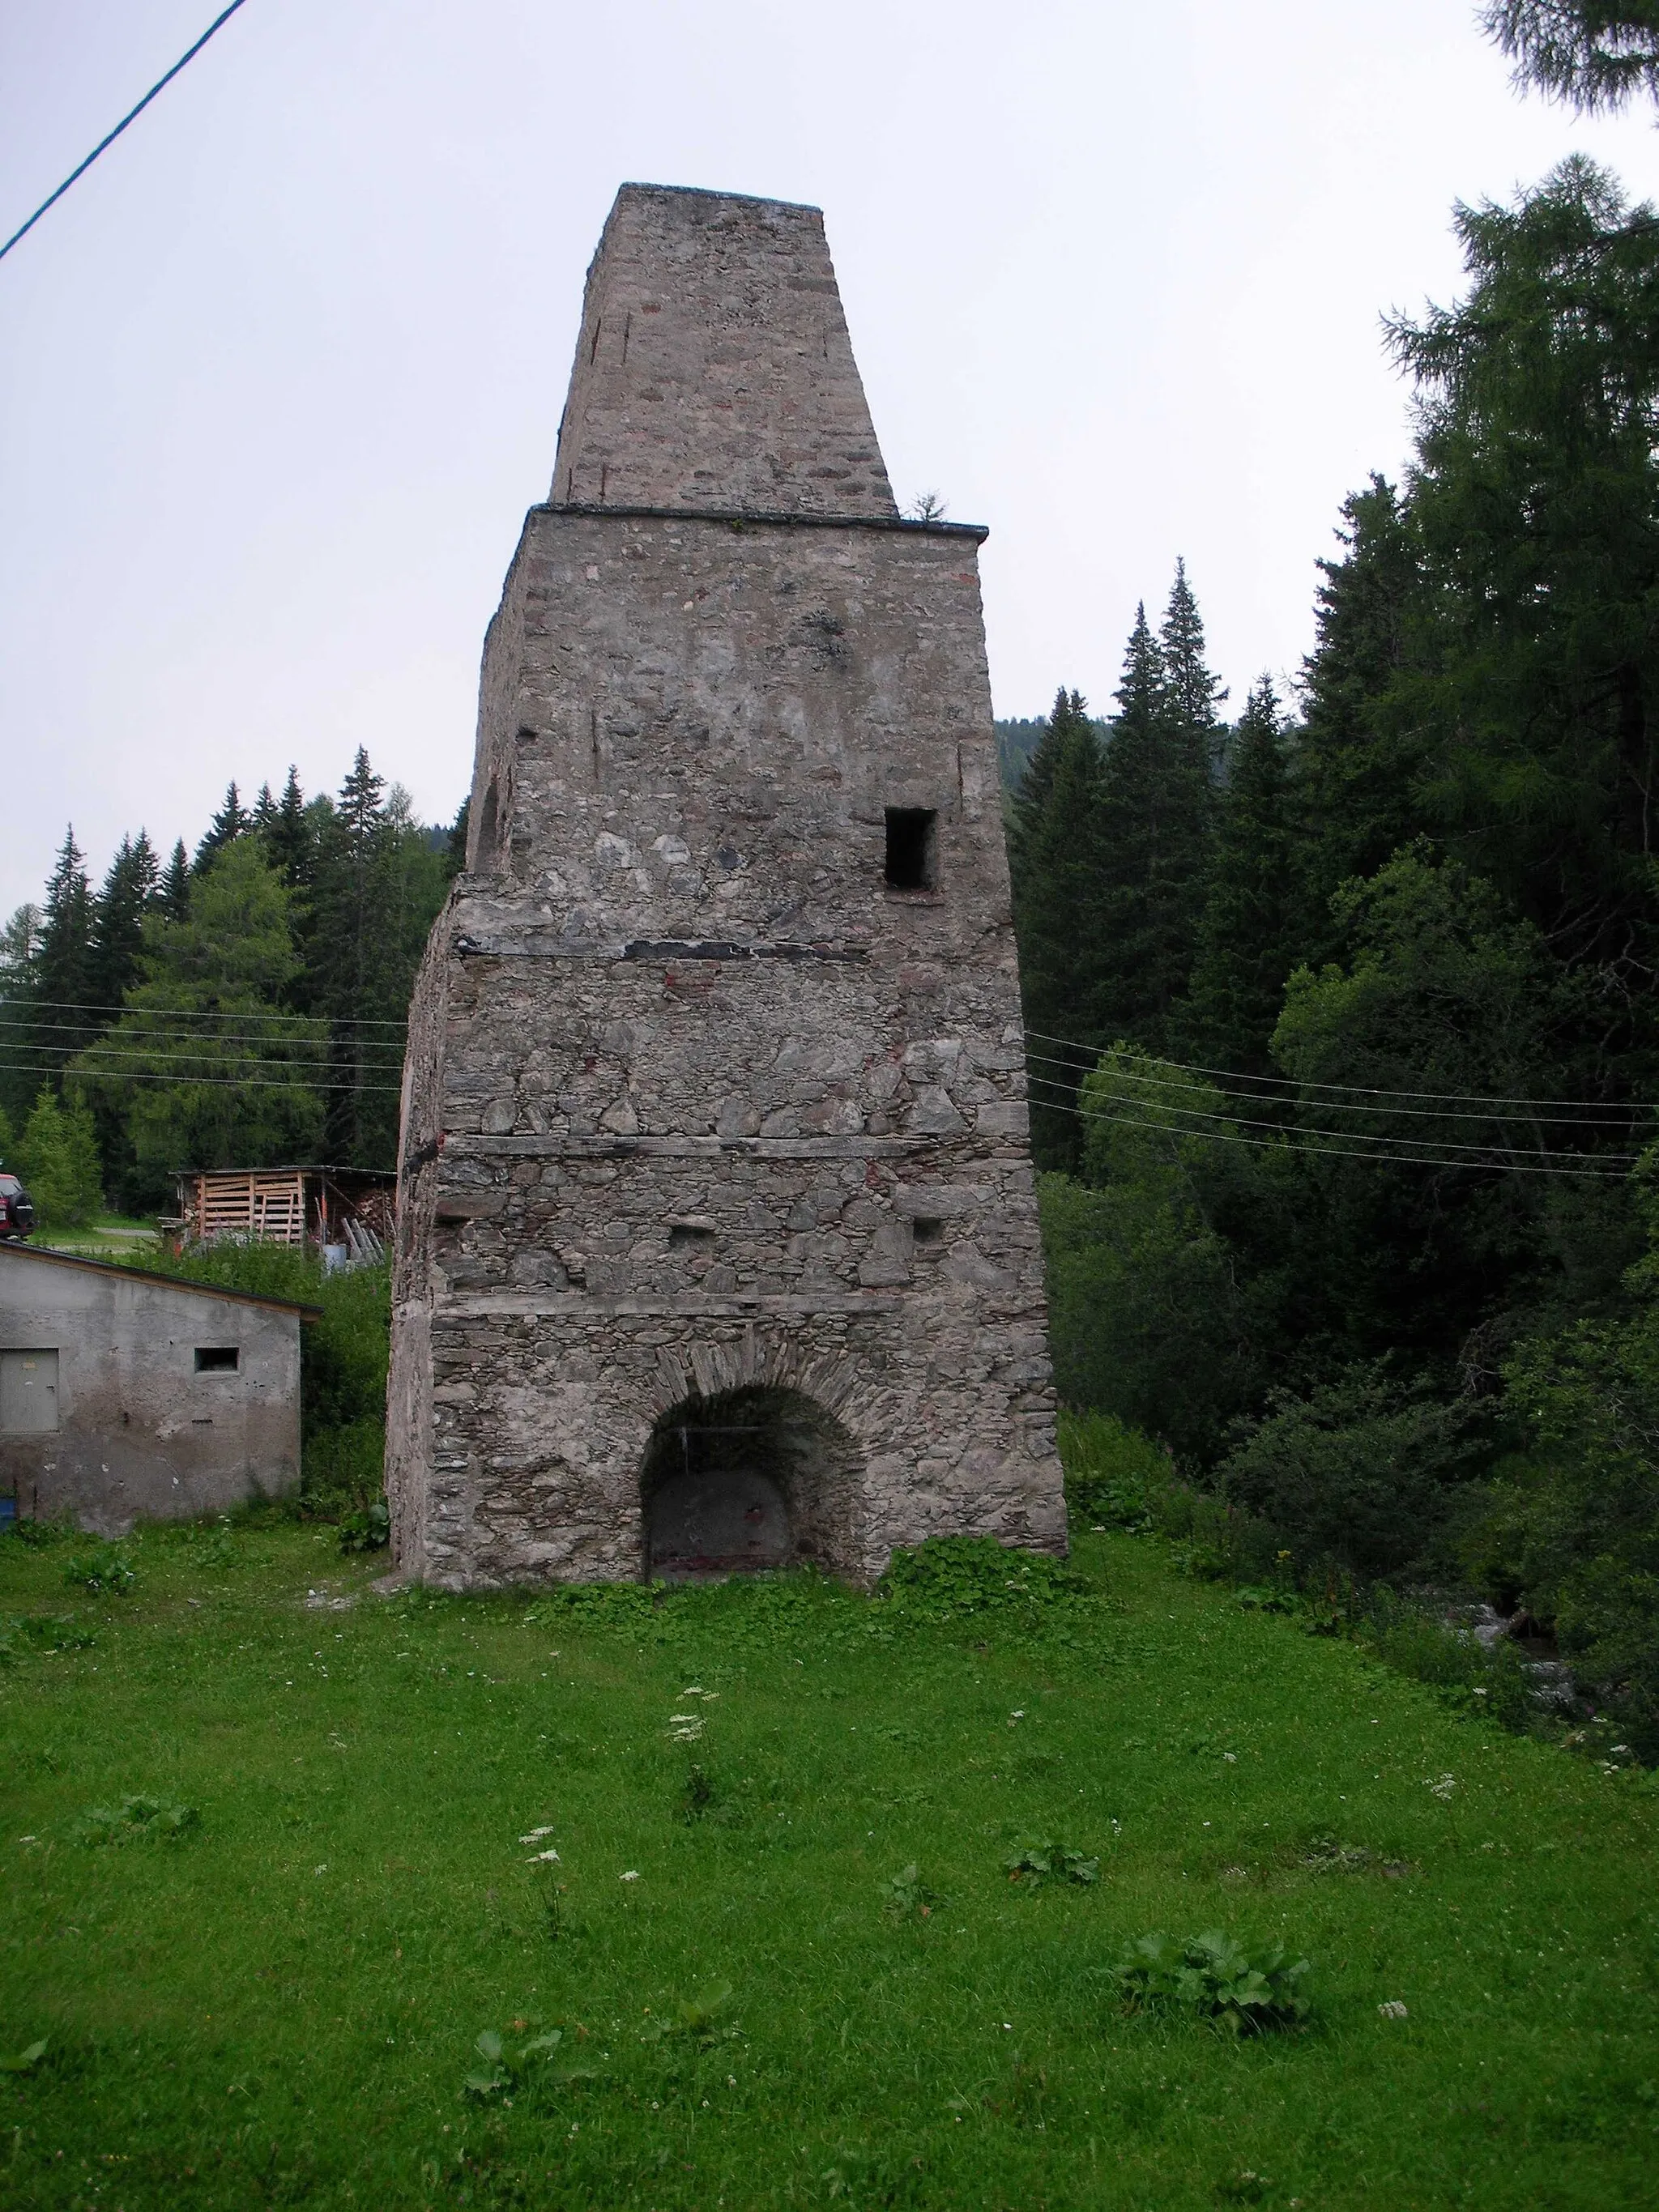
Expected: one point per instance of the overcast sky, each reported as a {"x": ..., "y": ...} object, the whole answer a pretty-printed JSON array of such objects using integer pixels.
[{"x": 279, "y": 377}]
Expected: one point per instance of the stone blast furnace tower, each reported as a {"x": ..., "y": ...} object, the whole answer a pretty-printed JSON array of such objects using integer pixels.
[{"x": 717, "y": 1238}]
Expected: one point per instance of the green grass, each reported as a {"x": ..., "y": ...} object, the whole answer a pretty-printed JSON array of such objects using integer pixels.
[{"x": 279, "y": 2003}]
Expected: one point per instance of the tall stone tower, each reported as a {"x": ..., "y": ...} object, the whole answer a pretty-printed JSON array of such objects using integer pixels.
[{"x": 717, "y": 1239}]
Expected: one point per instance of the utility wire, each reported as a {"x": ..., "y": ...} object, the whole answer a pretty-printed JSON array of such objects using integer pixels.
[
  {"x": 201, "y": 1013},
  {"x": 302, "y": 1079},
  {"x": 146, "y": 1042},
  {"x": 159, "y": 85},
  {"x": 1123, "y": 1074},
  {"x": 1374, "y": 1138},
  {"x": 1336, "y": 1151},
  {"x": 115, "y": 1065},
  {"x": 1097, "y": 1052}
]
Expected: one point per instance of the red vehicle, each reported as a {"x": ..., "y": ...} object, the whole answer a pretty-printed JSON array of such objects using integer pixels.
[{"x": 16, "y": 1208}]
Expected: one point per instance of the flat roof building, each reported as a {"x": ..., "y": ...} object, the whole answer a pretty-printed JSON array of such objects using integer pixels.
[{"x": 126, "y": 1395}]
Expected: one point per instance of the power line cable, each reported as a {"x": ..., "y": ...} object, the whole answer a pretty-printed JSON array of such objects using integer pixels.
[
  {"x": 145, "y": 1043},
  {"x": 1120, "y": 1074},
  {"x": 1286, "y": 1083},
  {"x": 1337, "y": 1152},
  {"x": 1372, "y": 1137},
  {"x": 205, "y": 1013},
  {"x": 159, "y": 85},
  {"x": 301, "y": 1080}
]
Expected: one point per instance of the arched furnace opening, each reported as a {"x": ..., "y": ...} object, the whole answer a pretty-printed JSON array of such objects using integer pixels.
[{"x": 747, "y": 1480}]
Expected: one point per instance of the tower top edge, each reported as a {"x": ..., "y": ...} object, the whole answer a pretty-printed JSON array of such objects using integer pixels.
[{"x": 707, "y": 192}]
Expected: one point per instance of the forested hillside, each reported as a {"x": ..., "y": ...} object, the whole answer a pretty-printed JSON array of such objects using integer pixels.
[
  {"x": 238, "y": 1007},
  {"x": 1344, "y": 1032}
]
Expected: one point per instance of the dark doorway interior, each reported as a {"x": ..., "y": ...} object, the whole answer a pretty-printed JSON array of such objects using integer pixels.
[{"x": 744, "y": 1481}]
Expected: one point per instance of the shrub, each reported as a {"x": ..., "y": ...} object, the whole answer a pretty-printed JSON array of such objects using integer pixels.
[
  {"x": 1214, "y": 1977},
  {"x": 146, "y": 1818},
  {"x": 1112, "y": 1472},
  {"x": 1035, "y": 1863},
  {"x": 1578, "y": 1517},
  {"x": 57, "y": 1158},
  {"x": 106, "y": 1571},
  {"x": 1362, "y": 1472},
  {"x": 951, "y": 1577},
  {"x": 1416, "y": 1640}
]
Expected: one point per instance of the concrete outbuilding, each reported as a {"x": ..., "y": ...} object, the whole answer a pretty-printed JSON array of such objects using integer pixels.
[{"x": 126, "y": 1395}]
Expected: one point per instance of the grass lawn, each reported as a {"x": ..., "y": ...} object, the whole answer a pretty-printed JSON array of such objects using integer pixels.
[{"x": 280, "y": 2004}]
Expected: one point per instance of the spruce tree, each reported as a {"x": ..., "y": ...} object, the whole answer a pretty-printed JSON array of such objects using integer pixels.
[
  {"x": 1248, "y": 939},
  {"x": 1155, "y": 811},
  {"x": 203, "y": 1067},
  {"x": 1193, "y": 695},
  {"x": 1360, "y": 769},
  {"x": 344, "y": 942},
  {"x": 63, "y": 963},
  {"x": 124, "y": 898},
  {"x": 1056, "y": 859},
  {"x": 19, "y": 952},
  {"x": 173, "y": 892},
  {"x": 287, "y": 835},
  {"x": 231, "y": 822}
]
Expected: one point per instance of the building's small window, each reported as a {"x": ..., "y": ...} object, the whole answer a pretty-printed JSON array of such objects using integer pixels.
[
  {"x": 690, "y": 1236},
  {"x": 217, "y": 1360},
  {"x": 912, "y": 848},
  {"x": 928, "y": 1231}
]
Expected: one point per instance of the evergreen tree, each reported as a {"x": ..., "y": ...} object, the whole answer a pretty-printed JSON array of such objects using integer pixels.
[
  {"x": 125, "y": 895},
  {"x": 1155, "y": 811},
  {"x": 58, "y": 1160},
  {"x": 1594, "y": 54},
  {"x": 20, "y": 950},
  {"x": 231, "y": 822},
  {"x": 173, "y": 892},
  {"x": 1360, "y": 773},
  {"x": 1248, "y": 940},
  {"x": 377, "y": 881},
  {"x": 240, "y": 1087},
  {"x": 288, "y": 837},
  {"x": 63, "y": 963},
  {"x": 455, "y": 850},
  {"x": 1192, "y": 696},
  {"x": 264, "y": 813},
  {"x": 1055, "y": 861},
  {"x": 1535, "y": 504}
]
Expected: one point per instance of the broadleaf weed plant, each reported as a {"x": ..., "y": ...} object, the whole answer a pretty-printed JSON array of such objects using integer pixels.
[
  {"x": 106, "y": 1572},
  {"x": 1214, "y": 1977}
]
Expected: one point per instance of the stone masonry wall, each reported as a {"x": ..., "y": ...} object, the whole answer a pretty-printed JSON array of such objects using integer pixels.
[
  {"x": 713, "y": 368},
  {"x": 696, "y": 1099}
]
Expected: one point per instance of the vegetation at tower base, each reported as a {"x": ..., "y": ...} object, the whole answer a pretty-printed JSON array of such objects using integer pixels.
[
  {"x": 1344, "y": 1212},
  {"x": 243, "y": 1008}
]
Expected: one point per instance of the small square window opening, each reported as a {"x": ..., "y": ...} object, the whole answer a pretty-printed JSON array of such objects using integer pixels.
[
  {"x": 912, "y": 848},
  {"x": 928, "y": 1231},
  {"x": 217, "y": 1360}
]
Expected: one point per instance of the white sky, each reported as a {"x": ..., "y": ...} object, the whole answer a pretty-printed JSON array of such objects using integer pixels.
[{"x": 279, "y": 377}]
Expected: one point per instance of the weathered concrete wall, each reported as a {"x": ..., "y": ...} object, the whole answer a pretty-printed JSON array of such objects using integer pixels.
[
  {"x": 697, "y": 1101},
  {"x": 141, "y": 1433}
]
